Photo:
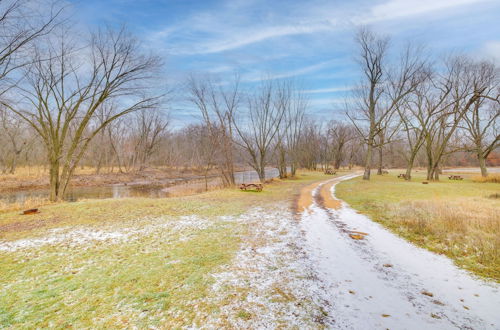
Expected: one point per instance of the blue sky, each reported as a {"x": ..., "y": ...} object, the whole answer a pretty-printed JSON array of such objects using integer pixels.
[{"x": 309, "y": 41}]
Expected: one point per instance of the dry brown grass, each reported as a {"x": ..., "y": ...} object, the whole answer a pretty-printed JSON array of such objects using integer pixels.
[
  {"x": 29, "y": 203},
  {"x": 463, "y": 229},
  {"x": 492, "y": 178}
]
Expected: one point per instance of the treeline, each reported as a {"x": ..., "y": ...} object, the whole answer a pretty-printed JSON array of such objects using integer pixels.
[
  {"x": 438, "y": 106},
  {"x": 69, "y": 99}
]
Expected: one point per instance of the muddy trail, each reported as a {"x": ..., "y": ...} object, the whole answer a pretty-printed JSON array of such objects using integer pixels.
[{"x": 375, "y": 279}]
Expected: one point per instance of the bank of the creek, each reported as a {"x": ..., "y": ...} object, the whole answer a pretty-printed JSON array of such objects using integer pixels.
[{"x": 151, "y": 189}]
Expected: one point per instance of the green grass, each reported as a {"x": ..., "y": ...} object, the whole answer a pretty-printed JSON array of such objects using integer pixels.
[
  {"x": 161, "y": 278},
  {"x": 455, "y": 218}
]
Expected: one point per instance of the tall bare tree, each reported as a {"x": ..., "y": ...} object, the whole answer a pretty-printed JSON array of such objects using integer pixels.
[
  {"x": 481, "y": 119},
  {"x": 66, "y": 85},
  {"x": 258, "y": 129},
  {"x": 218, "y": 106},
  {"x": 295, "y": 116},
  {"x": 467, "y": 83},
  {"x": 420, "y": 113},
  {"x": 385, "y": 86}
]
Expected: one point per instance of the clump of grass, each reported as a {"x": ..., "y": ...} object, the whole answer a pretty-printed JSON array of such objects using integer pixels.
[{"x": 492, "y": 178}]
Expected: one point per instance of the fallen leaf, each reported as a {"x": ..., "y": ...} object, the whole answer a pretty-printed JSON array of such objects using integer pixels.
[{"x": 427, "y": 293}]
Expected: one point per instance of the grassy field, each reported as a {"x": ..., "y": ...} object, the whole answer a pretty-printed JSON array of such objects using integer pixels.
[
  {"x": 124, "y": 263},
  {"x": 457, "y": 218}
]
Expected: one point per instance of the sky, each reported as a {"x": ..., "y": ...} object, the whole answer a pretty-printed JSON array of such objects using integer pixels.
[{"x": 311, "y": 42}]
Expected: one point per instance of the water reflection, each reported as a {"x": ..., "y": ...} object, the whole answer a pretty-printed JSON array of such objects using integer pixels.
[{"x": 172, "y": 187}]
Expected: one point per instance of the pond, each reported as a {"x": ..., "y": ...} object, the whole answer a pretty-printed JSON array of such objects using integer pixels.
[{"x": 173, "y": 187}]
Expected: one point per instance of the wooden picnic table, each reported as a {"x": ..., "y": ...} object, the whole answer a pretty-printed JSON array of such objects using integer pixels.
[
  {"x": 455, "y": 177},
  {"x": 252, "y": 186}
]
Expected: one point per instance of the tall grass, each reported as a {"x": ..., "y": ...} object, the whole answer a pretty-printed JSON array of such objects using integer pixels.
[
  {"x": 493, "y": 178},
  {"x": 465, "y": 230},
  {"x": 28, "y": 203}
]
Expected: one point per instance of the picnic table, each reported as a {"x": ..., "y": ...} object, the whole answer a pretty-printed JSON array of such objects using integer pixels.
[
  {"x": 329, "y": 171},
  {"x": 402, "y": 176},
  {"x": 252, "y": 186},
  {"x": 455, "y": 177}
]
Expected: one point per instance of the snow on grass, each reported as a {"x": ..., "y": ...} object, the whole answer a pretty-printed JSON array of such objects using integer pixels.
[
  {"x": 112, "y": 234},
  {"x": 269, "y": 284}
]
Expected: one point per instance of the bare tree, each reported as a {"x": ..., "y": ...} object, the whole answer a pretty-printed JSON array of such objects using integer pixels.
[
  {"x": 385, "y": 87},
  {"x": 13, "y": 140},
  {"x": 339, "y": 135},
  {"x": 293, "y": 103},
  {"x": 259, "y": 128},
  {"x": 151, "y": 126},
  {"x": 481, "y": 119},
  {"x": 295, "y": 116},
  {"x": 64, "y": 90},
  {"x": 420, "y": 112},
  {"x": 21, "y": 23},
  {"x": 218, "y": 106},
  {"x": 467, "y": 85}
]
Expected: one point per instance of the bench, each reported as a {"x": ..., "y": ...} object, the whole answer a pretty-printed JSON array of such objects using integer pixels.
[
  {"x": 251, "y": 186},
  {"x": 330, "y": 171},
  {"x": 455, "y": 177}
]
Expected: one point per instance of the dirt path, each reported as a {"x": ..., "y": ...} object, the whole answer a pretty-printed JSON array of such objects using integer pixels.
[{"x": 378, "y": 280}]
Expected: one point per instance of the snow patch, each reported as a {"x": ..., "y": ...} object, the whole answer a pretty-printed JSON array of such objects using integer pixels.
[{"x": 377, "y": 282}]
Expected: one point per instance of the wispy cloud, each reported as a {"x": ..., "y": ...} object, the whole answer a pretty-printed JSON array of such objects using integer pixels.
[
  {"x": 328, "y": 90},
  {"x": 257, "y": 76},
  {"x": 253, "y": 36},
  {"x": 397, "y": 9},
  {"x": 236, "y": 25}
]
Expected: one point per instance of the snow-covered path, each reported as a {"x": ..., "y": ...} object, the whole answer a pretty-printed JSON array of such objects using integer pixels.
[{"x": 382, "y": 281}]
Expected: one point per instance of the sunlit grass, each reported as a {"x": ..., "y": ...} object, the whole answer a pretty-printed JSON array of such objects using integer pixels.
[{"x": 455, "y": 218}]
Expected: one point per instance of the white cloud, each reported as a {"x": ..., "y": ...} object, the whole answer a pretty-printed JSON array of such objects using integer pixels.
[
  {"x": 491, "y": 50},
  {"x": 234, "y": 26},
  {"x": 397, "y": 9}
]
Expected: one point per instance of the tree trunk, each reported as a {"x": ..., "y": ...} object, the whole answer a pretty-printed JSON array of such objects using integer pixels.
[
  {"x": 482, "y": 164},
  {"x": 380, "y": 161},
  {"x": 368, "y": 161},
  {"x": 293, "y": 169},
  {"x": 262, "y": 175},
  {"x": 282, "y": 163},
  {"x": 54, "y": 180},
  {"x": 409, "y": 167}
]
